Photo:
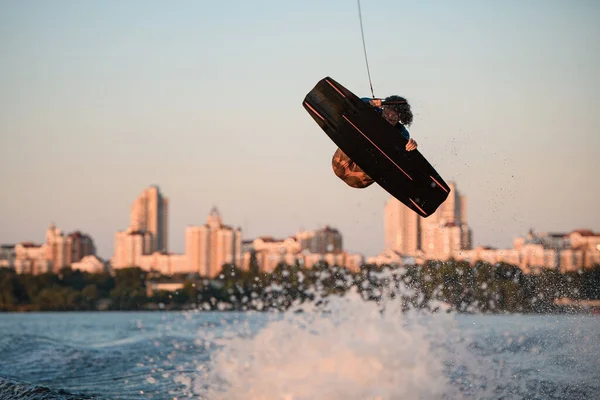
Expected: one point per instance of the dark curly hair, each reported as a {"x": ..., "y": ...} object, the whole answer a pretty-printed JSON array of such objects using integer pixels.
[{"x": 402, "y": 108}]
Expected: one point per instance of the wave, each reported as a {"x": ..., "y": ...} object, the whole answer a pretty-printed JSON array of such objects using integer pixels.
[{"x": 12, "y": 390}]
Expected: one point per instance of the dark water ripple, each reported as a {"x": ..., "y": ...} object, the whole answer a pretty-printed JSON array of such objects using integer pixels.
[
  {"x": 10, "y": 390},
  {"x": 126, "y": 362}
]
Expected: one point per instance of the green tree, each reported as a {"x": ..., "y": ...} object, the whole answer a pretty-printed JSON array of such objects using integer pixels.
[
  {"x": 89, "y": 297},
  {"x": 130, "y": 289},
  {"x": 11, "y": 290},
  {"x": 57, "y": 298}
]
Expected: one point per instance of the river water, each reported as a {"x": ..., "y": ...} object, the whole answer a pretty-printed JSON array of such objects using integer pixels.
[{"x": 352, "y": 351}]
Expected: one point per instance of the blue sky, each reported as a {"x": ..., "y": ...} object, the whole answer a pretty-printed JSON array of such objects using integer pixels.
[{"x": 98, "y": 100}]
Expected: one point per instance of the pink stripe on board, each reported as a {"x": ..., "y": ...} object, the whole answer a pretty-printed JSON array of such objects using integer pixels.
[
  {"x": 377, "y": 147},
  {"x": 416, "y": 205},
  {"x": 315, "y": 111},
  {"x": 333, "y": 86},
  {"x": 445, "y": 190}
]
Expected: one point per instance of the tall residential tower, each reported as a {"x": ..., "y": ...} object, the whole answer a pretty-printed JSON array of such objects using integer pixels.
[
  {"x": 149, "y": 214},
  {"x": 213, "y": 244},
  {"x": 439, "y": 236}
]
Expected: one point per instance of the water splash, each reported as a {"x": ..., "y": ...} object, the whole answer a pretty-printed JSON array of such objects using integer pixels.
[{"x": 344, "y": 347}]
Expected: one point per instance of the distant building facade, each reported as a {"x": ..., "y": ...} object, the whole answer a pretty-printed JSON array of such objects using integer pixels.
[
  {"x": 147, "y": 232},
  {"x": 58, "y": 251},
  {"x": 445, "y": 235},
  {"x": 306, "y": 249},
  {"x": 440, "y": 236},
  {"x": 210, "y": 246},
  {"x": 91, "y": 264},
  {"x": 326, "y": 240},
  {"x": 149, "y": 213},
  {"x": 63, "y": 250},
  {"x": 562, "y": 252},
  {"x": 207, "y": 247},
  {"x": 31, "y": 258},
  {"x": 7, "y": 256}
]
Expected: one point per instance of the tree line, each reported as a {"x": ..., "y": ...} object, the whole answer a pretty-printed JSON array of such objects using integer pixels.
[{"x": 481, "y": 287}]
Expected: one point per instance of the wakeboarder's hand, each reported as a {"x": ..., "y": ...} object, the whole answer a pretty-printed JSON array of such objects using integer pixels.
[
  {"x": 375, "y": 102},
  {"x": 411, "y": 145}
]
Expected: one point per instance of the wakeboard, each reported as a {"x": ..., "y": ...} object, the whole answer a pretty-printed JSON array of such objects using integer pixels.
[{"x": 377, "y": 147}]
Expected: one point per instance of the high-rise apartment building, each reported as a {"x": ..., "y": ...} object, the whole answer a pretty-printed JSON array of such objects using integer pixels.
[
  {"x": 130, "y": 246},
  {"x": 402, "y": 228},
  {"x": 196, "y": 248},
  {"x": 147, "y": 231},
  {"x": 81, "y": 245},
  {"x": 213, "y": 244},
  {"x": 440, "y": 236},
  {"x": 149, "y": 213},
  {"x": 63, "y": 250}
]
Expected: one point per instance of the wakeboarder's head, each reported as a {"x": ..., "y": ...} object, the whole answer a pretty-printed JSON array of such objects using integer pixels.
[{"x": 397, "y": 112}]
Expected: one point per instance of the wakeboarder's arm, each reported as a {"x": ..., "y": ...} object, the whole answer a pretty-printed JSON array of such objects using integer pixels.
[
  {"x": 375, "y": 103},
  {"x": 412, "y": 143}
]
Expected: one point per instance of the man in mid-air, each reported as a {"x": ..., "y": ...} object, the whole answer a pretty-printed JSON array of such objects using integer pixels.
[{"x": 397, "y": 114}]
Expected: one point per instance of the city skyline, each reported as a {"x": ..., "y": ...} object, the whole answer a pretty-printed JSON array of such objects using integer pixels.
[
  {"x": 404, "y": 232},
  {"x": 443, "y": 236},
  {"x": 205, "y": 101}
]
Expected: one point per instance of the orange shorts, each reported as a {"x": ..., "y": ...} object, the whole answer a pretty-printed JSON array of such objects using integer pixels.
[{"x": 348, "y": 171}]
